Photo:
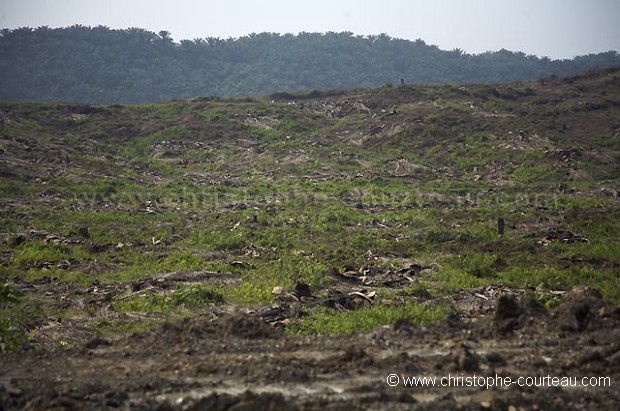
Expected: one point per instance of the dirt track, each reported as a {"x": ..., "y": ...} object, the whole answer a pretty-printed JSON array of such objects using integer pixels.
[{"x": 231, "y": 359}]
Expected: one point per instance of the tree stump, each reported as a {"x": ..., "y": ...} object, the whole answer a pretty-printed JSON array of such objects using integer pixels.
[{"x": 501, "y": 224}]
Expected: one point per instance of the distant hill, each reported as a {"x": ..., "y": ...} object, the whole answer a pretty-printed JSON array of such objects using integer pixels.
[{"x": 101, "y": 65}]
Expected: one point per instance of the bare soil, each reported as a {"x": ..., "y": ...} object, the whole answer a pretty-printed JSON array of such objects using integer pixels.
[{"x": 234, "y": 358}]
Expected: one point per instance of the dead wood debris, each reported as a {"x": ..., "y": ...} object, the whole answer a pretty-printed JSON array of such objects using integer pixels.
[
  {"x": 369, "y": 275},
  {"x": 558, "y": 234}
]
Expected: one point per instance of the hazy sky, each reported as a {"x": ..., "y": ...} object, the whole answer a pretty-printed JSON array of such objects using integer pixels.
[{"x": 554, "y": 28}]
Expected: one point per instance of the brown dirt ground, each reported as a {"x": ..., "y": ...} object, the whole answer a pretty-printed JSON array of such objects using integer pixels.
[{"x": 231, "y": 359}]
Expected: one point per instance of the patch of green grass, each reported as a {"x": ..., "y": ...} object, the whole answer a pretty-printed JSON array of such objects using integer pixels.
[
  {"x": 548, "y": 300},
  {"x": 183, "y": 297},
  {"x": 528, "y": 173},
  {"x": 12, "y": 335},
  {"x": 182, "y": 260},
  {"x": 12, "y": 189},
  {"x": 8, "y": 294},
  {"x": 447, "y": 279},
  {"x": 286, "y": 271},
  {"x": 38, "y": 252},
  {"x": 480, "y": 265},
  {"x": 554, "y": 278},
  {"x": 12, "y": 338},
  {"x": 597, "y": 253},
  {"x": 251, "y": 292},
  {"x": 331, "y": 321}
]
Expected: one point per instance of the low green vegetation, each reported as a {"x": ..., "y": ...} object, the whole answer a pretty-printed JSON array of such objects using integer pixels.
[
  {"x": 382, "y": 178},
  {"x": 12, "y": 337},
  {"x": 188, "y": 297},
  {"x": 331, "y": 321}
]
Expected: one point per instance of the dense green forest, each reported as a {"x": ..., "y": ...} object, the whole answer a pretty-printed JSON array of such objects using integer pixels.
[{"x": 102, "y": 65}]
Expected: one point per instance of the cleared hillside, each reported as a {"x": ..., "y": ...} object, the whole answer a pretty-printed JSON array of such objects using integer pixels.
[{"x": 303, "y": 246}]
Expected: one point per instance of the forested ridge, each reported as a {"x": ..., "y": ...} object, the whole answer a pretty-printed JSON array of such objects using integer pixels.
[{"x": 103, "y": 65}]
